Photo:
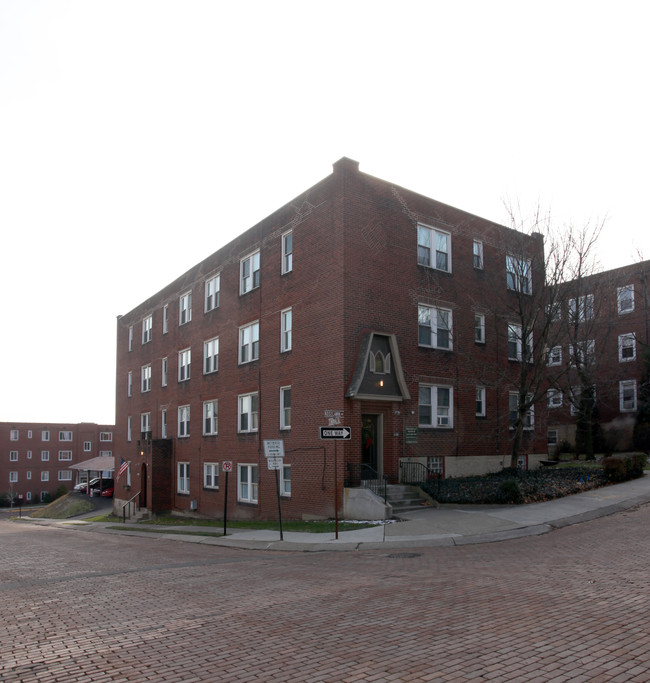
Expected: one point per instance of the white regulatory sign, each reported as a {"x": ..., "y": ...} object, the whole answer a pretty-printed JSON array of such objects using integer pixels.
[
  {"x": 274, "y": 448},
  {"x": 226, "y": 466},
  {"x": 274, "y": 463}
]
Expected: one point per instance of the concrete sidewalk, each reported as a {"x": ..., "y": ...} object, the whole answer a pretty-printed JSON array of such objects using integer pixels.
[{"x": 447, "y": 525}]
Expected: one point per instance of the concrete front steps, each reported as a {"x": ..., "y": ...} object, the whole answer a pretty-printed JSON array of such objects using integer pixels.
[{"x": 404, "y": 498}]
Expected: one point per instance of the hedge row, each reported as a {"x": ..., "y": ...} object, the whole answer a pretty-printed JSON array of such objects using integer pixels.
[{"x": 516, "y": 486}]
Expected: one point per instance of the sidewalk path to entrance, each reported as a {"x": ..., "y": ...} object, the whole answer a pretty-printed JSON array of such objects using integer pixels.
[{"x": 446, "y": 525}]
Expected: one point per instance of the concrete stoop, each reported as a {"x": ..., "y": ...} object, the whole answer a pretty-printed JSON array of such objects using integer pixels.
[{"x": 405, "y": 498}]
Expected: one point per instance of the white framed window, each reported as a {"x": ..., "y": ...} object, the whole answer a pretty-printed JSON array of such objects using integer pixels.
[
  {"x": 65, "y": 455},
  {"x": 554, "y": 356},
  {"x": 582, "y": 353},
  {"x": 286, "y": 319},
  {"x": 479, "y": 328},
  {"x": 513, "y": 407},
  {"x": 44, "y": 495},
  {"x": 165, "y": 319},
  {"x": 145, "y": 423},
  {"x": 163, "y": 424},
  {"x": 626, "y": 347},
  {"x": 249, "y": 343},
  {"x": 212, "y": 292},
  {"x": 29, "y": 475},
  {"x": 130, "y": 337},
  {"x": 518, "y": 348},
  {"x": 45, "y": 435},
  {"x": 552, "y": 437},
  {"x": 434, "y": 248},
  {"x": 13, "y": 456},
  {"x": 45, "y": 456},
  {"x": 129, "y": 383},
  {"x": 65, "y": 436},
  {"x": 88, "y": 446},
  {"x": 285, "y": 481},
  {"x": 105, "y": 454},
  {"x": 249, "y": 272},
  {"x": 184, "y": 364},
  {"x": 29, "y": 455},
  {"x": 183, "y": 477},
  {"x": 129, "y": 428},
  {"x": 29, "y": 433},
  {"x": 434, "y": 327},
  {"x": 247, "y": 483},
  {"x": 45, "y": 475},
  {"x": 285, "y": 407},
  {"x": 145, "y": 378},
  {"x": 625, "y": 299},
  {"x": 378, "y": 363},
  {"x": 210, "y": 418},
  {"x": 477, "y": 250},
  {"x": 247, "y": 412},
  {"x": 163, "y": 372},
  {"x": 435, "y": 406},
  {"x": 287, "y": 252},
  {"x": 211, "y": 475},
  {"x": 480, "y": 402},
  {"x": 185, "y": 308},
  {"x": 28, "y": 495},
  {"x": 435, "y": 464},
  {"x": 581, "y": 308},
  {"x": 554, "y": 311},
  {"x": 554, "y": 397},
  {"x": 627, "y": 391},
  {"x": 13, "y": 477},
  {"x": 147, "y": 327},
  {"x": 518, "y": 274},
  {"x": 14, "y": 434},
  {"x": 65, "y": 475},
  {"x": 183, "y": 421},
  {"x": 211, "y": 356}
]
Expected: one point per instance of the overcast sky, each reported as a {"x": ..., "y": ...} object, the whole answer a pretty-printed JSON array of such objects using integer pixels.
[{"x": 138, "y": 137}]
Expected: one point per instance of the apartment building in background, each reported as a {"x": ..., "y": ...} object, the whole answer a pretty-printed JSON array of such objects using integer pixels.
[
  {"x": 601, "y": 339},
  {"x": 358, "y": 304},
  {"x": 36, "y": 458}
]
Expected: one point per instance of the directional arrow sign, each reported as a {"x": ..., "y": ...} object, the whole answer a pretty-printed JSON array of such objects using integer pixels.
[{"x": 335, "y": 433}]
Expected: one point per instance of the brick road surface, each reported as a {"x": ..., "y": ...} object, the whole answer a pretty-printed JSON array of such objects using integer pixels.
[{"x": 572, "y": 605}]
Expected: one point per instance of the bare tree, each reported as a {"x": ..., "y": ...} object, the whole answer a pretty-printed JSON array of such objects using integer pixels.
[{"x": 540, "y": 260}]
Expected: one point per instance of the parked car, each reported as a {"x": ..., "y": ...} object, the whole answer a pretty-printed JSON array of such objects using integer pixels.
[
  {"x": 94, "y": 486},
  {"x": 82, "y": 487},
  {"x": 108, "y": 492}
]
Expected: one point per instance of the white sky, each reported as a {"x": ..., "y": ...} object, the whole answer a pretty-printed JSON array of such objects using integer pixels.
[{"x": 137, "y": 137}]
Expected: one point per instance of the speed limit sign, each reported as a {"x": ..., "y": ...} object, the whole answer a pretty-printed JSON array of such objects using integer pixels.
[{"x": 226, "y": 466}]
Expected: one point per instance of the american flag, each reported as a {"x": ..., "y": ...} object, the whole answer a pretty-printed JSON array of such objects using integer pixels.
[{"x": 124, "y": 466}]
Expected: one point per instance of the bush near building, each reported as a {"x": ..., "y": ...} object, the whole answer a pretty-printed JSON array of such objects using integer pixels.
[{"x": 513, "y": 486}]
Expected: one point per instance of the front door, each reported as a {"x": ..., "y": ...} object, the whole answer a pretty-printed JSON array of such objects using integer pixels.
[{"x": 371, "y": 462}]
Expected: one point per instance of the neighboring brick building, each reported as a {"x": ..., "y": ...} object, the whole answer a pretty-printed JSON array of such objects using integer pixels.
[
  {"x": 604, "y": 320},
  {"x": 359, "y": 298},
  {"x": 36, "y": 457}
]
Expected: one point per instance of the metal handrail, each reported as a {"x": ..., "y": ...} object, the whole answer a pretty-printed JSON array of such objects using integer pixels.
[
  {"x": 361, "y": 475},
  {"x": 416, "y": 474},
  {"x": 128, "y": 503}
]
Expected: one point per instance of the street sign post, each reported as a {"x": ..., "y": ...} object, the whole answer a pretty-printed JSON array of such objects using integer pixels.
[
  {"x": 274, "y": 452},
  {"x": 335, "y": 433}
]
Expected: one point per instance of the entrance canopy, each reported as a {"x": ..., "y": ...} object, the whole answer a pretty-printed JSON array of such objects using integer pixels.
[{"x": 102, "y": 464}]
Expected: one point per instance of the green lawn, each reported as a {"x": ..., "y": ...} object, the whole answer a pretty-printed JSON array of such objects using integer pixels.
[{"x": 315, "y": 527}]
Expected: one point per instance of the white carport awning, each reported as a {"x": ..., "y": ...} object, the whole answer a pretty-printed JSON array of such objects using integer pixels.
[{"x": 104, "y": 464}]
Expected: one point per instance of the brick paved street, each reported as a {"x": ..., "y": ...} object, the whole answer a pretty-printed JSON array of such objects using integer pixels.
[{"x": 572, "y": 605}]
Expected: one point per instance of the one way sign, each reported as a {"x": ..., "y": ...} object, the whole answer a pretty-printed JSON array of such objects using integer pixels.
[{"x": 335, "y": 433}]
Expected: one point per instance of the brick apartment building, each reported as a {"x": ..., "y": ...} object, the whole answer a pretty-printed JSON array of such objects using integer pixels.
[
  {"x": 603, "y": 328},
  {"x": 37, "y": 458},
  {"x": 358, "y": 301}
]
